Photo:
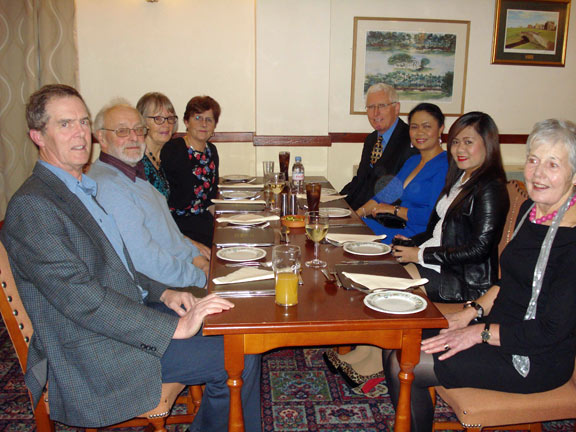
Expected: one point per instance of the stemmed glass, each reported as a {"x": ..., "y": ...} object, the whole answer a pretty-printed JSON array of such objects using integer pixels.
[
  {"x": 276, "y": 182},
  {"x": 316, "y": 229}
]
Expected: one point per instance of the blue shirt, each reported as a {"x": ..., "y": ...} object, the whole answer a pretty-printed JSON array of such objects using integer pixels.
[{"x": 85, "y": 190}]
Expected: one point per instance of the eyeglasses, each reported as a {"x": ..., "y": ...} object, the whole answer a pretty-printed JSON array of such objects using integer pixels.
[
  {"x": 124, "y": 131},
  {"x": 201, "y": 119},
  {"x": 379, "y": 106},
  {"x": 160, "y": 119}
]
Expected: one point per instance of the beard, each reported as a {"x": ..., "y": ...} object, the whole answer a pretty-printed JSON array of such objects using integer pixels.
[{"x": 131, "y": 156}]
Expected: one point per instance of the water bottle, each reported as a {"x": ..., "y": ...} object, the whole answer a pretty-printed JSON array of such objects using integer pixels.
[{"x": 298, "y": 175}]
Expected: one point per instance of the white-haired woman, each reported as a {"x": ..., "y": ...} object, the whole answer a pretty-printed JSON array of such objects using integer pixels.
[{"x": 526, "y": 343}]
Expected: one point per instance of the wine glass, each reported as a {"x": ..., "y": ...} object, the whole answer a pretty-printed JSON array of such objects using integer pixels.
[
  {"x": 276, "y": 182},
  {"x": 316, "y": 229}
]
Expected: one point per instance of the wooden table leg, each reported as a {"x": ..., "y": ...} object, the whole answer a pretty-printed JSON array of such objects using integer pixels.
[
  {"x": 409, "y": 358},
  {"x": 234, "y": 364}
]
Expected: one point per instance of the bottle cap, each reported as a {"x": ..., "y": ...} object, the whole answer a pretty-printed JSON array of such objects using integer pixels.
[{"x": 298, "y": 159}]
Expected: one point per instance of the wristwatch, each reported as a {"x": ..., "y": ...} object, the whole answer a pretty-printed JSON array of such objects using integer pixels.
[
  {"x": 396, "y": 210},
  {"x": 486, "y": 333},
  {"x": 479, "y": 309}
]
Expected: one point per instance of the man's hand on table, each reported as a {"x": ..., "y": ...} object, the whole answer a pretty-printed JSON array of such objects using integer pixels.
[
  {"x": 191, "y": 321},
  {"x": 202, "y": 248}
]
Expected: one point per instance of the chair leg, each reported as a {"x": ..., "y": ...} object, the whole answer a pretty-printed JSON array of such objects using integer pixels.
[
  {"x": 195, "y": 392},
  {"x": 158, "y": 424},
  {"x": 535, "y": 427},
  {"x": 43, "y": 421}
]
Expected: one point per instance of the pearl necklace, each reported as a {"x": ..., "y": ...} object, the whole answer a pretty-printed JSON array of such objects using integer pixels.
[{"x": 549, "y": 216}]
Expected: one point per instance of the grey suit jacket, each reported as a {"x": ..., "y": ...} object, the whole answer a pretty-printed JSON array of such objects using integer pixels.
[{"x": 95, "y": 343}]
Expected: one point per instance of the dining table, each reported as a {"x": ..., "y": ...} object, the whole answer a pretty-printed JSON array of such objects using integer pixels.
[{"x": 327, "y": 314}]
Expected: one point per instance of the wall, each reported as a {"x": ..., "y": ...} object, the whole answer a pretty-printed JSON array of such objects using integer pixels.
[{"x": 283, "y": 67}]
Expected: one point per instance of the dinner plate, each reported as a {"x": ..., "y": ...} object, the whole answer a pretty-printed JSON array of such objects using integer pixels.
[
  {"x": 245, "y": 219},
  {"x": 237, "y": 194},
  {"x": 328, "y": 191},
  {"x": 335, "y": 212},
  {"x": 238, "y": 178},
  {"x": 395, "y": 302},
  {"x": 367, "y": 248},
  {"x": 240, "y": 254}
]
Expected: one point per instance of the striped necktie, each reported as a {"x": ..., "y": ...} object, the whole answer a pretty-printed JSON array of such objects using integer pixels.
[{"x": 376, "y": 151}]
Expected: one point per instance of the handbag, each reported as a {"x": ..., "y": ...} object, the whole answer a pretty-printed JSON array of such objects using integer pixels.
[{"x": 389, "y": 220}]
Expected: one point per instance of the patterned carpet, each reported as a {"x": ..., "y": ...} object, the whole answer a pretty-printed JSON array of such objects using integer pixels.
[{"x": 298, "y": 394}]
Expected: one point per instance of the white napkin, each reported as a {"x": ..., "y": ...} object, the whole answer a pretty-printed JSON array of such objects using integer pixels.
[
  {"x": 247, "y": 218},
  {"x": 324, "y": 199},
  {"x": 238, "y": 201},
  {"x": 375, "y": 281},
  {"x": 343, "y": 238},
  {"x": 245, "y": 274},
  {"x": 241, "y": 186}
]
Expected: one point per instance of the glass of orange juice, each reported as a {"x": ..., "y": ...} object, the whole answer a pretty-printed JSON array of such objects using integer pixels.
[{"x": 286, "y": 264}]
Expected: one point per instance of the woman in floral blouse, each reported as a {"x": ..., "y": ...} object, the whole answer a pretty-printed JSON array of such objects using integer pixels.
[{"x": 191, "y": 166}]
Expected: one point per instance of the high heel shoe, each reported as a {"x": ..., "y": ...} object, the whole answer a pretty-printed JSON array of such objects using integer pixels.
[
  {"x": 360, "y": 384},
  {"x": 332, "y": 361}
]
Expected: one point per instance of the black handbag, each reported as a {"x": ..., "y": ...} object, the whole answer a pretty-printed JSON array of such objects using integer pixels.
[{"x": 389, "y": 220}]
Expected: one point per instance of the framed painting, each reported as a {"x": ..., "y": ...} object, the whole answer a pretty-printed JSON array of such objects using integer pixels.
[
  {"x": 424, "y": 60},
  {"x": 530, "y": 33}
]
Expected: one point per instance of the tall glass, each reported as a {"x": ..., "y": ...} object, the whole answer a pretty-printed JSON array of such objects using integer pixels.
[
  {"x": 316, "y": 230},
  {"x": 267, "y": 170},
  {"x": 275, "y": 183},
  {"x": 284, "y": 159},
  {"x": 286, "y": 265},
  {"x": 313, "y": 191}
]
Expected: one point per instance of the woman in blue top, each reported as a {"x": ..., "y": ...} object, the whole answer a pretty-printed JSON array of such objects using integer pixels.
[{"x": 413, "y": 192}]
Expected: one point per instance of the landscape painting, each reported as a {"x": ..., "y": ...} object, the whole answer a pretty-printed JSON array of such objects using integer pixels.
[
  {"x": 530, "y": 33},
  {"x": 423, "y": 60}
]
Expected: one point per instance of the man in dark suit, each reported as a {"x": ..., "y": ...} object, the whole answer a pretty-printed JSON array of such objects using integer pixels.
[
  {"x": 385, "y": 150},
  {"x": 105, "y": 336}
]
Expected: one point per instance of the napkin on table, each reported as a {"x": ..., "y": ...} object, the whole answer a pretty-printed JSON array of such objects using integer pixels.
[
  {"x": 376, "y": 281},
  {"x": 238, "y": 201},
  {"x": 248, "y": 218},
  {"x": 245, "y": 274},
  {"x": 343, "y": 238},
  {"x": 240, "y": 186},
  {"x": 324, "y": 198}
]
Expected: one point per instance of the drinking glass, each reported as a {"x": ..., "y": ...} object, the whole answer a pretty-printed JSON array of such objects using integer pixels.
[
  {"x": 276, "y": 182},
  {"x": 267, "y": 169},
  {"x": 286, "y": 265},
  {"x": 316, "y": 229},
  {"x": 284, "y": 159},
  {"x": 313, "y": 191}
]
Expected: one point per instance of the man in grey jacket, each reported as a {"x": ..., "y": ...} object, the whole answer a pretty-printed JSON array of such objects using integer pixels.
[{"x": 105, "y": 336}]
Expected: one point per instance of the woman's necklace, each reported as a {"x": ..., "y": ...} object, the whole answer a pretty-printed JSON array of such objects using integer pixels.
[
  {"x": 154, "y": 160},
  {"x": 549, "y": 216}
]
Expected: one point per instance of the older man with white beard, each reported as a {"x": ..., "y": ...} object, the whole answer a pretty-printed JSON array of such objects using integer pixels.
[{"x": 153, "y": 240}]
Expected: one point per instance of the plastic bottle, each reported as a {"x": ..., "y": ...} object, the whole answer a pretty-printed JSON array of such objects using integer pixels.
[{"x": 298, "y": 175}]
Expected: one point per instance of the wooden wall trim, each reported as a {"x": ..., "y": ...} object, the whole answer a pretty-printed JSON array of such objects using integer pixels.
[{"x": 319, "y": 140}]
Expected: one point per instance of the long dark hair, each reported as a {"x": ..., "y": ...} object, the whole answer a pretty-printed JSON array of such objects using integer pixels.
[
  {"x": 492, "y": 167},
  {"x": 433, "y": 110}
]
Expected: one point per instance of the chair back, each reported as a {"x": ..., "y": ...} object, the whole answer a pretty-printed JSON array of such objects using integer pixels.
[{"x": 517, "y": 195}]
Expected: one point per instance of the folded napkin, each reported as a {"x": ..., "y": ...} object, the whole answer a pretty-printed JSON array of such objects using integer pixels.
[
  {"x": 247, "y": 218},
  {"x": 375, "y": 281},
  {"x": 240, "y": 186},
  {"x": 245, "y": 274},
  {"x": 324, "y": 199},
  {"x": 343, "y": 238},
  {"x": 238, "y": 201}
]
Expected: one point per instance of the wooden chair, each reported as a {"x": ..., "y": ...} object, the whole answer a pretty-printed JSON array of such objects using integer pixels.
[
  {"x": 20, "y": 330},
  {"x": 479, "y": 409}
]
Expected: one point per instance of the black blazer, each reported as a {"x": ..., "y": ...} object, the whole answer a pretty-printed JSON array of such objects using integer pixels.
[
  {"x": 471, "y": 231},
  {"x": 362, "y": 187}
]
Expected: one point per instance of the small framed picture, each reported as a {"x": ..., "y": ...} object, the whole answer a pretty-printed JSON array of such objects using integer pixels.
[{"x": 531, "y": 33}]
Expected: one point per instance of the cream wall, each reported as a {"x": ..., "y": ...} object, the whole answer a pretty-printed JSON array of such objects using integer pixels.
[{"x": 283, "y": 67}]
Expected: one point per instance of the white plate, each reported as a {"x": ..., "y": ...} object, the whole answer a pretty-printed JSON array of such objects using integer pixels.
[
  {"x": 237, "y": 194},
  {"x": 395, "y": 302},
  {"x": 245, "y": 219},
  {"x": 335, "y": 212},
  {"x": 328, "y": 191},
  {"x": 239, "y": 178},
  {"x": 367, "y": 248},
  {"x": 240, "y": 254}
]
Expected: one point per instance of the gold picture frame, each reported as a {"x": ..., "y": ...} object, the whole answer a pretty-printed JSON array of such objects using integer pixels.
[
  {"x": 424, "y": 59},
  {"x": 531, "y": 33}
]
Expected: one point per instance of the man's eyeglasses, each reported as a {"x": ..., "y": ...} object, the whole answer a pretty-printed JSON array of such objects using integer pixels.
[
  {"x": 379, "y": 106},
  {"x": 160, "y": 119},
  {"x": 201, "y": 119},
  {"x": 124, "y": 131}
]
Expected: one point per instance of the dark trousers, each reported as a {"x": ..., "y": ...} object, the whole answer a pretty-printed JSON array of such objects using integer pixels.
[{"x": 200, "y": 360}]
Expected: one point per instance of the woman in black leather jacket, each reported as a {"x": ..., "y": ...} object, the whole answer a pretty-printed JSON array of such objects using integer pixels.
[{"x": 458, "y": 252}]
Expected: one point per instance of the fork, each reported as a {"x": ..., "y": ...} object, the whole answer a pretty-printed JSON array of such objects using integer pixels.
[
  {"x": 266, "y": 225},
  {"x": 265, "y": 264}
]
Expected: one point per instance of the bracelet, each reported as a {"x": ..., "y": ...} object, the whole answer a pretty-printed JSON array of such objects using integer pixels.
[{"x": 396, "y": 210}]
